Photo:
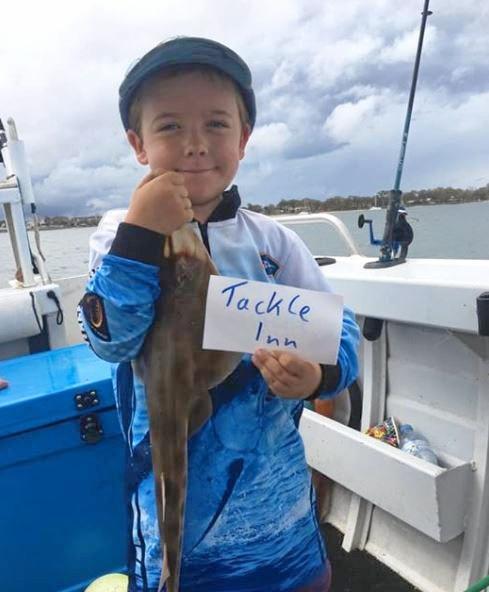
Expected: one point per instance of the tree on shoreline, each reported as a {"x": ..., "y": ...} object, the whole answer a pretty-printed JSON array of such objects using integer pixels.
[{"x": 439, "y": 195}]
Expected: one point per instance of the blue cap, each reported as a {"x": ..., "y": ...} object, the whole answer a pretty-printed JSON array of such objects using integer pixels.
[{"x": 188, "y": 51}]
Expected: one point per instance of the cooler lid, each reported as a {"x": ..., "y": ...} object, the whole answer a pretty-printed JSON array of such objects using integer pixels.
[{"x": 53, "y": 386}]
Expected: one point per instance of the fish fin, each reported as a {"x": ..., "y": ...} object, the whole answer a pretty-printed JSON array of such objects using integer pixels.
[
  {"x": 165, "y": 572},
  {"x": 167, "y": 248},
  {"x": 216, "y": 366},
  {"x": 185, "y": 243},
  {"x": 200, "y": 413},
  {"x": 163, "y": 576}
]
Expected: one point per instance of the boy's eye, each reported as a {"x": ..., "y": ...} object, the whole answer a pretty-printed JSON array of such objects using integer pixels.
[
  {"x": 168, "y": 127},
  {"x": 217, "y": 123}
]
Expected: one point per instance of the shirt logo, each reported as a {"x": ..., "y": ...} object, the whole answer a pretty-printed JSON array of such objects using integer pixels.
[
  {"x": 270, "y": 265},
  {"x": 94, "y": 313}
]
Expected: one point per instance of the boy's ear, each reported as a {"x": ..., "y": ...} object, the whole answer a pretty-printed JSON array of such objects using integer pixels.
[
  {"x": 138, "y": 146},
  {"x": 245, "y": 136}
]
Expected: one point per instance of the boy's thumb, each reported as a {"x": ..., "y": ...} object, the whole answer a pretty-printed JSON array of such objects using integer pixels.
[{"x": 150, "y": 176}]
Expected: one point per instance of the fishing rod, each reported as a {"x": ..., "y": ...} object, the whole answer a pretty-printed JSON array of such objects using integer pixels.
[{"x": 397, "y": 231}]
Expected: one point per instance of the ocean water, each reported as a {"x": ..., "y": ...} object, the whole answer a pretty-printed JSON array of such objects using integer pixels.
[{"x": 459, "y": 231}]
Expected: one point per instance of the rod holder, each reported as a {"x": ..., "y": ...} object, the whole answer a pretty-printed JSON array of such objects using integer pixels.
[
  {"x": 483, "y": 314},
  {"x": 372, "y": 328}
]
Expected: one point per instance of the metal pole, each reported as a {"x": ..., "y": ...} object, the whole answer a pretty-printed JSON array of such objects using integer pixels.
[
  {"x": 395, "y": 194},
  {"x": 407, "y": 123},
  {"x": 14, "y": 214}
]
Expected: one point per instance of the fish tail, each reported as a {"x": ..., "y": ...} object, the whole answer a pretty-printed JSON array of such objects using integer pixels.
[{"x": 175, "y": 489}]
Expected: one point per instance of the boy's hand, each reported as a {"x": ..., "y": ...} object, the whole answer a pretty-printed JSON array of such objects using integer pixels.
[
  {"x": 287, "y": 374},
  {"x": 160, "y": 203}
]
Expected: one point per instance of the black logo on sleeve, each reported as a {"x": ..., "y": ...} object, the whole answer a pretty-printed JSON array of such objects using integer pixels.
[{"x": 94, "y": 313}]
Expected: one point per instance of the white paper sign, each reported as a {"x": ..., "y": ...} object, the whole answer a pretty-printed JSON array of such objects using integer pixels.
[{"x": 244, "y": 315}]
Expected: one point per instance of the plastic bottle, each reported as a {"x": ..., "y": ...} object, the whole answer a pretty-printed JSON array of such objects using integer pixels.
[{"x": 414, "y": 443}]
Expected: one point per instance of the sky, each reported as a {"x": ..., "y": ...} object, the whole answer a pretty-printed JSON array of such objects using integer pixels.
[{"x": 332, "y": 80}]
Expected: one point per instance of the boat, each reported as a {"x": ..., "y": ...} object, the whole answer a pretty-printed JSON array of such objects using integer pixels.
[{"x": 424, "y": 360}]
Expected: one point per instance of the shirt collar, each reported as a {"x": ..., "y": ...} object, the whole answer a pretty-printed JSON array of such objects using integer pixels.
[{"x": 227, "y": 207}]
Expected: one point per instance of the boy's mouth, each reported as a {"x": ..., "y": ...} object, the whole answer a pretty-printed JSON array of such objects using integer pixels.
[{"x": 194, "y": 171}]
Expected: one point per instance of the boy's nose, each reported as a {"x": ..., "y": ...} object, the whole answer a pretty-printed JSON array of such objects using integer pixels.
[{"x": 195, "y": 145}]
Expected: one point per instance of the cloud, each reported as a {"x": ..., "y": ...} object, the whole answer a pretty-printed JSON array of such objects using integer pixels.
[
  {"x": 269, "y": 141},
  {"x": 92, "y": 187},
  {"x": 331, "y": 78},
  {"x": 341, "y": 60},
  {"x": 348, "y": 117},
  {"x": 403, "y": 48}
]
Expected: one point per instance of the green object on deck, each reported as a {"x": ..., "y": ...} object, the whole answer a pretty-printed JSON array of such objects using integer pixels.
[{"x": 480, "y": 585}]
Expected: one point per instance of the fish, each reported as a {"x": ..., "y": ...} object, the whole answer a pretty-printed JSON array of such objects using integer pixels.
[{"x": 177, "y": 374}]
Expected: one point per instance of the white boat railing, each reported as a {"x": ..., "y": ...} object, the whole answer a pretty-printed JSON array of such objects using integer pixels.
[
  {"x": 32, "y": 305},
  {"x": 15, "y": 192},
  {"x": 322, "y": 217}
]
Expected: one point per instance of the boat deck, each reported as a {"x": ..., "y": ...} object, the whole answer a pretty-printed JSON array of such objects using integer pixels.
[{"x": 358, "y": 571}]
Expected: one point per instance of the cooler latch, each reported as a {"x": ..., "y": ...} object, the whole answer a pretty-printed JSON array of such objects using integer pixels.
[
  {"x": 86, "y": 399},
  {"x": 91, "y": 430}
]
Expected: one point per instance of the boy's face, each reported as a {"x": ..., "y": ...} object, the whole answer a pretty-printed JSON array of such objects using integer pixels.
[{"x": 190, "y": 123}]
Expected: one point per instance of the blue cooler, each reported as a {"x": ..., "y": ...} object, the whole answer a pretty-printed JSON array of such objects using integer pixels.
[{"x": 63, "y": 519}]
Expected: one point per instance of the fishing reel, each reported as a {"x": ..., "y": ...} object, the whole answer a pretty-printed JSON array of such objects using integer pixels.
[
  {"x": 361, "y": 223},
  {"x": 398, "y": 235}
]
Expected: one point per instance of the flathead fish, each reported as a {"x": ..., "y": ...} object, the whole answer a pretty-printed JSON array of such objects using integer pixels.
[{"x": 177, "y": 375}]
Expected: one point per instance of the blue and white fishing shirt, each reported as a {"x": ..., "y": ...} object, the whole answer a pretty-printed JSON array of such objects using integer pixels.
[{"x": 250, "y": 522}]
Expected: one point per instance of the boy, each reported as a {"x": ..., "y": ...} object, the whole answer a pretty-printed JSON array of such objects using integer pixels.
[{"x": 188, "y": 108}]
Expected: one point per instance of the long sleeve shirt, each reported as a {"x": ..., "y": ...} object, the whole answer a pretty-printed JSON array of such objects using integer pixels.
[{"x": 250, "y": 522}]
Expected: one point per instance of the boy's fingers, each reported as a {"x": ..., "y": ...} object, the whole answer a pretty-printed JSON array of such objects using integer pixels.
[
  {"x": 265, "y": 359},
  {"x": 182, "y": 191},
  {"x": 271, "y": 369},
  {"x": 187, "y": 204},
  {"x": 276, "y": 384},
  {"x": 154, "y": 174},
  {"x": 175, "y": 178},
  {"x": 168, "y": 176},
  {"x": 146, "y": 179},
  {"x": 291, "y": 363}
]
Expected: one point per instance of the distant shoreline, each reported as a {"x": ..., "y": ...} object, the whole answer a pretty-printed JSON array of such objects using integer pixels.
[
  {"x": 339, "y": 211},
  {"x": 43, "y": 228}
]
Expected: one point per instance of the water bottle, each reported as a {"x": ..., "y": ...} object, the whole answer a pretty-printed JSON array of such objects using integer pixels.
[{"x": 414, "y": 443}]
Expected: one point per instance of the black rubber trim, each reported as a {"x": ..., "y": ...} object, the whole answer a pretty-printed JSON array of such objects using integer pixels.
[
  {"x": 356, "y": 403},
  {"x": 330, "y": 377},
  {"x": 321, "y": 261},
  {"x": 372, "y": 328},
  {"x": 138, "y": 243},
  {"x": 483, "y": 313}
]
